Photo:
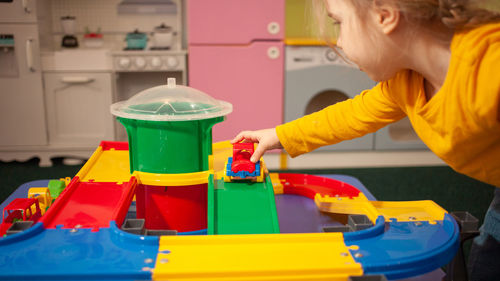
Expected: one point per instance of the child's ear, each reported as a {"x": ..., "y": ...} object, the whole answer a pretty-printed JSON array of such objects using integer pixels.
[{"x": 387, "y": 17}]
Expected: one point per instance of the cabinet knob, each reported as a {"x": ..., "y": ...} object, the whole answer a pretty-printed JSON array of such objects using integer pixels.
[
  {"x": 156, "y": 62},
  {"x": 273, "y": 27},
  {"x": 140, "y": 62},
  {"x": 124, "y": 62},
  {"x": 273, "y": 52},
  {"x": 172, "y": 62}
]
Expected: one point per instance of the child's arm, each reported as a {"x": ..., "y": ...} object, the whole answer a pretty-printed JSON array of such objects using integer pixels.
[
  {"x": 345, "y": 120},
  {"x": 365, "y": 113}
]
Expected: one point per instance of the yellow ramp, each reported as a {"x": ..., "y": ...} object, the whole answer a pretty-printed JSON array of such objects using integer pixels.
[
  {"x": 106, "y": 166},
  {"x": 424, "y": 210},
  {"x": 312, "y": 256}
]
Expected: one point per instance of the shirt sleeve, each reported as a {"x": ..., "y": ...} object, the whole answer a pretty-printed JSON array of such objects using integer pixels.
[
  {"x": 352, "y": 118},
  {"x": 485, "y": 100}
]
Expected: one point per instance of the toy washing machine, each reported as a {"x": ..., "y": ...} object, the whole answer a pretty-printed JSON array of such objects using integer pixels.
[{"x": 317, "y": 77}]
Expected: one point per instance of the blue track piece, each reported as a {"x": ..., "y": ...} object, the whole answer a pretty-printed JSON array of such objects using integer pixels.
[
  {"x": 66, "y": 254},
  {"x": 377, "y": 229},
  {"x": 242, "y": 174},
  {"x": 405, "y": 249}
]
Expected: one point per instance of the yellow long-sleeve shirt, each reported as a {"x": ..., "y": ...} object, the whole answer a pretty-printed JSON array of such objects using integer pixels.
[{"x": 460, "y": 124}]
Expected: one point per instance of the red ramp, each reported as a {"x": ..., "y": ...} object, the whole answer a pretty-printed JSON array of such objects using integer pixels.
[{"x": 90, "y": 204}]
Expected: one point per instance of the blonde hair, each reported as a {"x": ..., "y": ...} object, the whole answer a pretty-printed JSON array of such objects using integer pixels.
[{"x": 449, "y": 14}]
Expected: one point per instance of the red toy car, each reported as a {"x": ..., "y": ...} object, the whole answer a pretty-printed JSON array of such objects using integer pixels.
[
  {"x": 20, "y": 209},
  {"x": 241, "y": 157}
]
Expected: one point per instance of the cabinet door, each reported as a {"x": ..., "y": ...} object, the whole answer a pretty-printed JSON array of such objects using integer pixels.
[
  {"x": 78, "y": 108},
  {"x": 235, "y": 21},
  {"x": 22, "y": 115},
  {"x": 20, "y": 11},
  {"x": 249, "y": 77}
]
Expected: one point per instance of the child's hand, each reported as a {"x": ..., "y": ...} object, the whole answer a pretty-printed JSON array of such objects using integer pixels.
[{"x": 267, "y": 139}]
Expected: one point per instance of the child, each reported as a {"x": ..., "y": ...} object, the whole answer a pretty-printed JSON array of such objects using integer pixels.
[{"x": 438, "y": 62}]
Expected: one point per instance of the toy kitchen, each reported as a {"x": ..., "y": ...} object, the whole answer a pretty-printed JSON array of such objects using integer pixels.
[{"x": 63, "y": 63}]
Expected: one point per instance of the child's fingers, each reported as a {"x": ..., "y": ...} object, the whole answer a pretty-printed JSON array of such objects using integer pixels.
[
  {"x": 257, "y": 154},
  {"x": 245, "y": 136},
  {"x": 239, "y": 137},
  {"x": 236, "y": 139}
]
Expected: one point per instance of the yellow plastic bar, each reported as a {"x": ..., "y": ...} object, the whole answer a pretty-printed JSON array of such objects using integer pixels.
[
  {"x": 106, "y": 166},
  {"x": 424, "y": 210},
  {"x": 173, "y": 179},
  {"x": 277, "y": 185},
  {"x": 403, "y": 211},
  {"x": 346, "y": 205},
  {"x": 311, "y": 256},
  {"x": 90, "y": 163},
  {"x": 221, "y": 151},
  {"x": 283, "y": 161}
]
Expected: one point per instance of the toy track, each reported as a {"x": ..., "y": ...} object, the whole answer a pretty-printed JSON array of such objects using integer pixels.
[
  {"x": 242, "y": 208},
  {"x": 79, "y": 236},
  {"x": 90, "y": 205}
]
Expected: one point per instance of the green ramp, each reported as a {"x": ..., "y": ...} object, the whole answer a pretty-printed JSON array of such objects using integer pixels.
[{"x": 241, "y": 207}]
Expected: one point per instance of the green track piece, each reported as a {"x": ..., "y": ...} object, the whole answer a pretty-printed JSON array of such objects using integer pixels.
[{"x": 242, "y": 208}]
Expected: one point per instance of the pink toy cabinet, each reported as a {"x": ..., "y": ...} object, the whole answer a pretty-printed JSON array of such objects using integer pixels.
[{"x": 236, "y": 54}]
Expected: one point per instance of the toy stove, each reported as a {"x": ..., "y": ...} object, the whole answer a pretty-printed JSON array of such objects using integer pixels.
[{"x": 149, "y": 60}]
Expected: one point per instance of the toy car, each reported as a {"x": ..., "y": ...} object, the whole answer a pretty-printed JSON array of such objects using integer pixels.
[
  {"x": 20, "y": 209},
  {"x": 239, "y": 167}
]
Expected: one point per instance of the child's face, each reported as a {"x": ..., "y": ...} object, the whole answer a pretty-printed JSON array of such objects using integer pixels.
[{"x": 359, "y": 42}]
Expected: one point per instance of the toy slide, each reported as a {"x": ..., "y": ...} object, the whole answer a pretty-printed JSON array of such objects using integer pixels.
[
  {"x": 90, "y": 204},
  {"x": 242, "y": 208}
]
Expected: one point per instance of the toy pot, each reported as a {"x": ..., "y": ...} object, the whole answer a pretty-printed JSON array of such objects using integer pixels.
[{"x": 136, "y": 40}]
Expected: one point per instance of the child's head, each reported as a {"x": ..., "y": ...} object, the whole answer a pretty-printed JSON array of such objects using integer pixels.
[{"x": 365, "y": 27}]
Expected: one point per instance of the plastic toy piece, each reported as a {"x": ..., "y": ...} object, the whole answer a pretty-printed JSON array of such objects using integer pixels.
[
  {"x": 253, "y": 202},
  {"x": 241, "y": 158},
  {"x": 90, "y": 204},
  {"x": 56, "y": 187},
  {"x": 424, "y": 210},
  {"x": 406, "y": 239},
  {"x": 242, "y": 174},
  {"x": 310, "y": 185},
  {"x": 20, "y": 209},
  {"x": 76, "y": 254},
  {"x": 239, "y": 167},
  {"x": 184, "y": 179},
  {"x": 108, "y": 163},
  {"x": 186, "y": 212},
  {"x": 42, "y": 194},
  {"x": 310, "y": 256}
]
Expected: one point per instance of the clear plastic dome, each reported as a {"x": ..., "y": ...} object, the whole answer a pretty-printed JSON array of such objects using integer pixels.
[{"x": 171, "y": 102}]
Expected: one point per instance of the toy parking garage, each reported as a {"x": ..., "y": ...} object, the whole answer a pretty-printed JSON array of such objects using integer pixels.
[{"x": 170, "y": 204}]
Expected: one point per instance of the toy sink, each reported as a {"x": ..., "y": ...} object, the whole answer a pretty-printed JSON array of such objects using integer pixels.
[{"x": 169, "y": 128}]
